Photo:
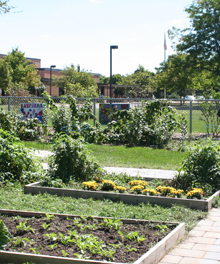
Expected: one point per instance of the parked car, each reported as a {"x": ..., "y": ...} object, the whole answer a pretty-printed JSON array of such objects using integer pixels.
[
  {"x": 200, "y": 97},
  {"x": 190, "y": 97}
]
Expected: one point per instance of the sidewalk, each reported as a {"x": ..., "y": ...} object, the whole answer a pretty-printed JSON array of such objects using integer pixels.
[{"x": 202, "y": 246}]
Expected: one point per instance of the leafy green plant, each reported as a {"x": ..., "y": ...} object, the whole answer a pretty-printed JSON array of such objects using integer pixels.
[
  {"x": 4, "y": 235},
  {"x": 61, "y": 118},
  {"x": 64, "y": 253},
  {"x": 21, "y": 227},
  {"x": 72, "y": 159},
  {"x": 36, "y": 251},
  {"x": 134, "y": 236},
  {"x": 49, "y": 217},
  {"x": 112, "y": 223},
  {"x": 53, "y": 246},
  {"x": 21, "y": 242},
  {"x": 151, "y": 124},
  {"x": 200, "y": 168},
  {"x": 45, "y": 226},
  {"x": 17, "y": 161}
]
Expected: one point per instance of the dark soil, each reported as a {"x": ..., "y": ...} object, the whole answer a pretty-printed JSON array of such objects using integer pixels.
[{"x": 126, "y": 250}]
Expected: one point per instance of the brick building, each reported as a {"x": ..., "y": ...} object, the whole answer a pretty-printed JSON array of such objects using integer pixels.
[{"x": 44, "y": 74}]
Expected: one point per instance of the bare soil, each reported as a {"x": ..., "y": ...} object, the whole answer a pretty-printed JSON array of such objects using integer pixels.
[{"x": 126, "y": 250}]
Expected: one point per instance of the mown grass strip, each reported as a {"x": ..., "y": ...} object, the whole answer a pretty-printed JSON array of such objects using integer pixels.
[
  {"x": 128, "y": 157},
  {"x": 15, "y": 199}
]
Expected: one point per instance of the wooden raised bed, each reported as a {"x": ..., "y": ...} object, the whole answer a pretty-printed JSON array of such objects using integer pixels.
[
  {"x": 204, "y": 205},
  {"x": 154, "y": 255}
]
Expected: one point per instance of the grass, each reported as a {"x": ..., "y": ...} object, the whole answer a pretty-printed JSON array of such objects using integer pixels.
[
  {"x": 15, "y": 199},
  {"x": 128, "y": 157}
]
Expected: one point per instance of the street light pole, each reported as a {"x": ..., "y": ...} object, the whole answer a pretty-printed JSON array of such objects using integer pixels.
[
  {"x": 52, "y": 66},
  {"x": 111, "y": 48}
]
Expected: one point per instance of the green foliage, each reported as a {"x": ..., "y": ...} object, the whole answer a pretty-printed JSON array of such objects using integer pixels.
[
  {"x": 72, "y": 159},
  {"x": 200, "y": 40},
  {"x": 151, "y": 124},
  {"x": 17, "y": 74},
  {"x": 17, "y": 164},
  {"x": 78, "y": 84},
  {"x": 200, "y": 168},
  {"x": 21, "y": 227},
  {"x": 112, "y": 223},
  {"x": 4, "y": 7},
  {"x": 24, "y": 129},
  {"x": 61, "y": 118},
  {"x": 4, "y": 235}
]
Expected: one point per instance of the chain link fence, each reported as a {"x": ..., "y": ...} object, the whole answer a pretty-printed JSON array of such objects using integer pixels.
[{"x": 201, "y": 115}]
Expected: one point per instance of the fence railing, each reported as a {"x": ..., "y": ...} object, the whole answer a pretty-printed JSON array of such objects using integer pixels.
[{"x": 193, "y": 110}]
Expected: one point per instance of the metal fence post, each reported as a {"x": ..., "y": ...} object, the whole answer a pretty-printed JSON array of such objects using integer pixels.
[
  {"x": 9, "y": 104},
  {"x": 190, "y": 119},
  {"x": 94, "y": 110}
]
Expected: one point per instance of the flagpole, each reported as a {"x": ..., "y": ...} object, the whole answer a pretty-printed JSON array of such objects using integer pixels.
[{"x": 165, "y": 48}]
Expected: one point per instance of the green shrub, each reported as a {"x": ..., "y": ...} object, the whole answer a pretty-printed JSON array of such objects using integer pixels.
[
  {"x": 72, "y": 159},
  {"x": 200, "y": 168},
  {"x": 61, "y": 118},
  {"x": 16, "y": 163},
  {"x": 152, "y": 124}
]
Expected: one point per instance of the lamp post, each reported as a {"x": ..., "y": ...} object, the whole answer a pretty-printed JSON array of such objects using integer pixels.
[
  {"x": 52, "y": 66},
  {"x": 111, "y": 48}
]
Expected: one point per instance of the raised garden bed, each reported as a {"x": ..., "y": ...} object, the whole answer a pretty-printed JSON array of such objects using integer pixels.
[
  {"x": 204, "y": 205},
  {"x": 163, "y": 235}
]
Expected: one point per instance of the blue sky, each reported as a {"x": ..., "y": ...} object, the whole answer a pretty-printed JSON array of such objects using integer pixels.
[{"x": 81, "y": 31}]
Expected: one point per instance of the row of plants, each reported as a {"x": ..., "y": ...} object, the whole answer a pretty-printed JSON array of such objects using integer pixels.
[
  {"x": 151, "y": 124},
  {"x": 105, "y": 239},
  {"x": 141, "y": 187},
  {"x": 72, "y": 161}
]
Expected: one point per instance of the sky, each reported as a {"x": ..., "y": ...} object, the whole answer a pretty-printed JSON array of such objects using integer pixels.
[{"x": 80, "y": 32}]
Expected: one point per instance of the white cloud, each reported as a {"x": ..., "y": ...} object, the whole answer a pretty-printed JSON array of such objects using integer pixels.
[{"x": 97, "y": 1}]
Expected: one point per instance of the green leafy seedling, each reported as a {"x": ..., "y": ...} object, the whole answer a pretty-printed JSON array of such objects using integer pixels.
[
  {"x": 49, "y": 217},
  {"x": 45, "y": 226},
  {"x": 112, "y": 223},
  {"x": 64, "y": 253},
  {"x": 22, "y": 227},
  {"x": 4, "y": 235}
]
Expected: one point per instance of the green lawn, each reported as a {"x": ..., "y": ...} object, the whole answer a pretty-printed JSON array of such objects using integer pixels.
[{"x": 129, "y": 157}]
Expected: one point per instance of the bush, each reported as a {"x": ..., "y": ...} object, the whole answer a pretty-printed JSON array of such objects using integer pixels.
[
  {"x": 200, "y": 168},
  {"x": 152, "y": 124},
  {"x": 72, "y": 159},
  {"x": 61, "y": 118},
  {"x": 17, "y": 164}
]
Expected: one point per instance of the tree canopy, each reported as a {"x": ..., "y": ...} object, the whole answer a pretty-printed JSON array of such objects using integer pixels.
[
  {"x": 78, "y": 84},
  {"x": 17, "y": 74},
  {"x": 202, "y": 40},
  {"x": 4, "y": 7},
  {"x": 142, "y": 83}
]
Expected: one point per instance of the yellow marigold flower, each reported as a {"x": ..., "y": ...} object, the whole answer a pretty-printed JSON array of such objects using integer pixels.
[
  {"x": 108, "y": 182},
  {"x": 91, "y": 185},
  {"x": 138, "y": 182},
  {"x": 150, "y": 191}
]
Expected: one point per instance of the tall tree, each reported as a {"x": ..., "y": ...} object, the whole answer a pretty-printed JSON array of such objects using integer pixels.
[
  {"x": 202, "y": 40},
  {"x": 140, "y": 84},
  {"x": 17, "y": 74},
  {"x": 4, "y": 7},
  {"x": 78, "y": 84}
]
